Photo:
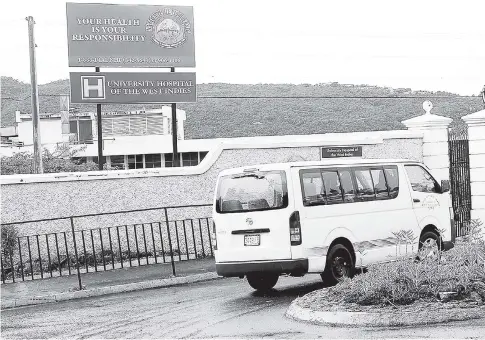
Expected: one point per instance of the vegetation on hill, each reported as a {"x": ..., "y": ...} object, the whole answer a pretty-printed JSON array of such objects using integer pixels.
[{"x": 220, "y": 116}]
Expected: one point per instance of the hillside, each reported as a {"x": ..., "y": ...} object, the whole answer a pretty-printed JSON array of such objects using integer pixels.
[{"x": 236, "y": 117}]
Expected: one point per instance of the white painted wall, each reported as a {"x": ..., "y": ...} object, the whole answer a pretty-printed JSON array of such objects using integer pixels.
[
  {"x": 476, "y": 135},
  {"x": 50, "y": 131}
]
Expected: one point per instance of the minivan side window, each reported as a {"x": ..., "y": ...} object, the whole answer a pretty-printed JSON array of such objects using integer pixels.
[
  {"x": 332, "y": 187},
  {"x": 312, "y": 185},
  {"x": 365, "y": 186},
  {"x": 380, "y": 185},
  {"x": 392, "y": 178},
  {"x": 347, "y": 185},
  {"x": 421, "y": 180}
]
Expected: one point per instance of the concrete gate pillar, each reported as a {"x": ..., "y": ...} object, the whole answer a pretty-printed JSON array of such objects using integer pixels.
[
  {"x": 435, "y": 140},
  {"x": 476, "y": 136}
]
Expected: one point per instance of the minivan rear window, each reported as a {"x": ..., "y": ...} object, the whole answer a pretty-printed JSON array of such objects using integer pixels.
[{"x": 252, "y": 191}]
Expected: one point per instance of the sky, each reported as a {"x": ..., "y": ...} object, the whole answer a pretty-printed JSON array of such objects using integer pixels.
[{"x": 422, "y": 45}]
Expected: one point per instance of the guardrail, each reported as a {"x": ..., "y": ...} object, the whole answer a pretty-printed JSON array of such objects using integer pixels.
[{"x": 40, "y": 256}]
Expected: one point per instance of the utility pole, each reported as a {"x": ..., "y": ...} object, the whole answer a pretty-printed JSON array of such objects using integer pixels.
[{"x": 38, "y": 168}]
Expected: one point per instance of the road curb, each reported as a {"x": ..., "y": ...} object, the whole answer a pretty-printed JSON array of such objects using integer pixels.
[
  {"x": 130, "y": 287},
  {"x": 378, "y": 318}
]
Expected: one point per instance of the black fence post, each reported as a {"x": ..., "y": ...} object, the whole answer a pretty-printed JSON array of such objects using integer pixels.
[
  {"x": 40, "y": 257},
  {"x": 20, "y": 256},
  {"x": 136, "y": 243},
  {"x": 30, "y": 258},
  {"x": 102, "y": 248},
  {"x": 58, "y": 255},
  {"x": 154, "y": 248},
  {"x": 84, "y": 252},
  {"x": 48, "y": 253},
  {"x": 75, "y": 254},
  {"x": 119, "y": 245},
  {"x": 67, "y": 253},
  {"x": 111, "y": 249},
  {"x": 94, "y": 251},
  {"x": 128, "y": 243},
  {"x": 193, "y": 238},
  {"x": 201, "y": 238},
  {"x": 210, "y": 236},
  {"x": 161, "y": 241},
  {"x": 169, "y": 241},
  {"x": 145, "y": 242},
  {"x": 185, "y": 237},
  {"x": 178, "y": 243},
  {"x": 1, "y": 264}
]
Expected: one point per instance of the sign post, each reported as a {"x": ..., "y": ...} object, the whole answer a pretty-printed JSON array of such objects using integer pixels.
[
  {"x": 175, "y": 157},
  {"x": 131, "y": 36},
  {"x": 100, "y": 133}
]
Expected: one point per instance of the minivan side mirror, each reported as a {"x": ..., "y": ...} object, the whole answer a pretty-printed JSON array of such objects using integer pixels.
[{"x": 445, "y": 185}]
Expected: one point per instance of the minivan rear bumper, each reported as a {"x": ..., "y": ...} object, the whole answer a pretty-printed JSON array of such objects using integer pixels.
[{"x": 231, "y": 269}]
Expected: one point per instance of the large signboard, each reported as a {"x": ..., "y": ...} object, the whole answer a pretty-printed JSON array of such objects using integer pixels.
[
  {"x": 108, "y": 35},
  {"x": 341, "y": 151},
  {"x": 132, "y": 87}
]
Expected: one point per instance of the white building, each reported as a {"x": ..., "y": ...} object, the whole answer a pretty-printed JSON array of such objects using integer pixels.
[{"x": 138, "y": 139}]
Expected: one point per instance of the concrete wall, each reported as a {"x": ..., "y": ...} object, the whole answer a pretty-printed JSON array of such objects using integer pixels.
[{"x": 30, "y": 197}]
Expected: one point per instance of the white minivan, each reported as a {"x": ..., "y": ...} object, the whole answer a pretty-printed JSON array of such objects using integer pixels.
[{"x": 325, "y": 217}]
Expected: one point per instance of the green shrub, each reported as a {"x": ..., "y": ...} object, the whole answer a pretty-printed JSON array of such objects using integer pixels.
[
  {"x": 60, "y": 160},
  {"x": 405, "y": 280},
  {"x": 9, "y": 240}
]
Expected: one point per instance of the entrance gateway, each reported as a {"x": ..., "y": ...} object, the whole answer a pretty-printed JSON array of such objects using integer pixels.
[{"x": 458, "y": 146}]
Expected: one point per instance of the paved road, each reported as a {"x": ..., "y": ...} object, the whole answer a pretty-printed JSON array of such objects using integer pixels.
[{"x": 222, "y": 308}]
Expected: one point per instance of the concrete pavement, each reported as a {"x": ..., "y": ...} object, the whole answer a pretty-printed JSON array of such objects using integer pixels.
[
  {"x": 63, "y": 288},
  {"x": 226, "y": 308}
]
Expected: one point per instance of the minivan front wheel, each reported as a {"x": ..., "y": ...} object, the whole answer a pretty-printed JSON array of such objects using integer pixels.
[
  {"x": 429, "y": 246},
  {"x": 262, "y": 281},
  {"x": 340, "y": 264}
]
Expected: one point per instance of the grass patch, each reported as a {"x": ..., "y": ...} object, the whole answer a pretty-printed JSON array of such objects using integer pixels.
[{"x": 459, "y": 272}]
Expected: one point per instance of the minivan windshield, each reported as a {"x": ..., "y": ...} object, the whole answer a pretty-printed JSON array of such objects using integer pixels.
[{"x": 252, "y": 191}]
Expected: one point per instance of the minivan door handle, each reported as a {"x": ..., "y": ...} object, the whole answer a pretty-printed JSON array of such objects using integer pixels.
[{"x": 416, "y": 200}]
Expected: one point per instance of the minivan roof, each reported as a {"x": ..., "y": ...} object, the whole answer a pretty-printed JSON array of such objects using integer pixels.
[{"x": 325, "y": 162}]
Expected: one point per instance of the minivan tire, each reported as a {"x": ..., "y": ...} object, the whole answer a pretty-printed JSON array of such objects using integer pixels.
[
  {"x": 262, "y": 281},
  {"x": 340, "y": 264},
  {"x": 426, "y": 238}
]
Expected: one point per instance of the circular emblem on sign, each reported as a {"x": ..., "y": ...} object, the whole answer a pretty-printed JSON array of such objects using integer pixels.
[{"x": 169, "y": 27}]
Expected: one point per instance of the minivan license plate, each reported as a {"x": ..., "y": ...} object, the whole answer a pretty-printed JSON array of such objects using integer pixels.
[{"x": 252, "y": 240}]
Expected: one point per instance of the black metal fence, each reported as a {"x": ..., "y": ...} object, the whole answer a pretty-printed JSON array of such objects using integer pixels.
[
  {"x": 459, "y": 154},
  {"x": 40, "y": 256}
]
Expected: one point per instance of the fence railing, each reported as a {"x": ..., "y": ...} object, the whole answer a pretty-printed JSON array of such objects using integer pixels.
[{"x": 39, "y": 256}]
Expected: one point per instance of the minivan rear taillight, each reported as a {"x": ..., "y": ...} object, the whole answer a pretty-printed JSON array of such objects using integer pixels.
[
  {"x": 295, "y": 229},
  {"x": 214, "y": 237}
]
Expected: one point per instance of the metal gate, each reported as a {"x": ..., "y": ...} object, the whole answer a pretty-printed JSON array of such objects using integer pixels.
[{"x": 460, "y": 178}]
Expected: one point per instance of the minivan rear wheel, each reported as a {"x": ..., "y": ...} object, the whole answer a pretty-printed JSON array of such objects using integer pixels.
[
  {"x": 340, "y": 264},
  {"x": 262, "y": 281}
]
